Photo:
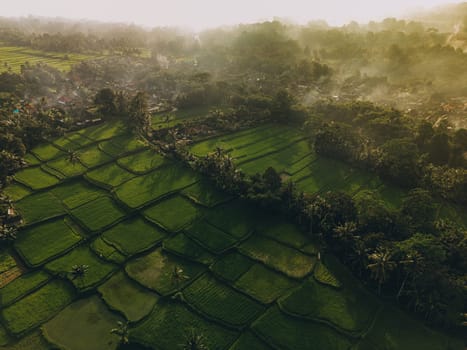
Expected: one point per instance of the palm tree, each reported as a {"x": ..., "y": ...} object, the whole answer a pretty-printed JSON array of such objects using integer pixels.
[
  {"x": 358, "y": 257},
  {"x": 412, "y": 265},
  {"x": 380, "y": 266},
  {"x": 73, "y": 157},
  {"x": 7, "y": 233},
  {"x": 79, "y": 271},
  {"x": 122, "y": 331},
  {"x": 218, "y": 151},
  {"x": 178, "y": 276},
  {"x": 194, "y": 341}
]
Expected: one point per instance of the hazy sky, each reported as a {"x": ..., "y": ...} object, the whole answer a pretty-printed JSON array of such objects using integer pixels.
[{"x": 200, "y": 14}]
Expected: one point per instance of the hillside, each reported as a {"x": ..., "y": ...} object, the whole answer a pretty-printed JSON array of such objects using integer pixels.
[{"x": 124, "y": 234}]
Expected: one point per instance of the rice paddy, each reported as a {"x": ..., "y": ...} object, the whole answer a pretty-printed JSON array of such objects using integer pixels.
[{"x": 160, "y": 247}]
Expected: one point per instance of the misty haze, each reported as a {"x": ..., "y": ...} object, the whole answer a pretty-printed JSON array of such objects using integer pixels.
[{"x": 248, "y": 175}]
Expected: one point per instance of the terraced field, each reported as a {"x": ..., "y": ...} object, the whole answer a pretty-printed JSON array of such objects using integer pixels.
[
  {"x": 290, "y": 155},
  {"x": 170, "y": 254},
  {"x": 12, "y": 57}
]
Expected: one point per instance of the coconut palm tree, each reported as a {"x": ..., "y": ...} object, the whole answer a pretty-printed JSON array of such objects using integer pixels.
[
  {"x": 194, "y": 341},
  {"x": 79, "y": 271},
  {"x": 178, "y": 276},
  {"x": 73, "y": 157},
  {"x": 7, "y": 233},
  {"x": 122, "y": 331},
  {"x": 412, "y": 265},
  {"x": 381, "y": 265}
]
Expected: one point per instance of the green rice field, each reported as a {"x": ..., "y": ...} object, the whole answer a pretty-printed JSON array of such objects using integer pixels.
[
  {"x": 12, "y": 57},
  {"x": 165, "y": 251}
]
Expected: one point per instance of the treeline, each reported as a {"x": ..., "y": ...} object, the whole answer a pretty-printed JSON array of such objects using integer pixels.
[
  {"x": 406, "y": 254},
  {"x": 410, "y": 154}
]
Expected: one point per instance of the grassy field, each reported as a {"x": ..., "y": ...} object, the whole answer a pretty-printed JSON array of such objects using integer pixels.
[
  {"x": 84, "y": 325},
  {"x": 210, "y": 237},
  {"x": 173, "y": 214},
  {"x": 286, "y": 332},
  {"x": 36, "y": 178},
  {"x": 118, "y": 290},
  {"x": 143, "y": 189},
  {"x": 142, "y": 162},
  {"x": 98, "y": 271},
  {"x": 287, "y": 260},
  {"x": 185, "y": 247},
  {"x": 172, "y": 255},
  {"x": 156, "y": 271},
  {"x": 59, "y": 235},
  {"x": 133, "y": 236},
  {"x": 40, "y": 206},
  {"x": 98, "y": 214},
  {"x": 21, "y": 286},
  {"x": 221, "y": 302},
  {"x": 263, "y": 284},
  {"x": 169, "y": 324},
  {"x": 12, "y": 57},
  {"x": 37, "y": 307},
  {"x": 76, "y": 193}
]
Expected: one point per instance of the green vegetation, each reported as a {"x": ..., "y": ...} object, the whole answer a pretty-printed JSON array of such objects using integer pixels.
[
  {"x": 15, "y": 191},
  {"x": 133, "y": 236},
  {"x": 98, "y": 214},
  {"x": 396, "y": 330},
  {"x": 83, "y": 325},
  {"x": 238, "y": 140},
  {"x": 279, "y": 257},
  {"x": 159, "y": 271},
  {"x": 173, "y": 214},
  {"x": 124, "y": 295},
  {"x": 205, "y": 193},
  {"x": 236, "y": 218},
  {"x": 185, "y": 247},
  {"x": 4, "y": 338},
  {"x": 283, "y": 232},
  {"x": 214, "y": 239},
  {"x": 75, "y": 193},
  {"x": 220, "y": 302},
  {"x": 143, "y": 189},
  {"x": 39, "y": 206},
  {"x": 110, "y": 175},
  {"x": 143, "y": 162},
  {"x": 37, "y": 307},
  {"x": 323, "y": 275},
  {"x": 97, "y": 271},
  {"x": 32, "y": 341},
  {"x": 7, "y": 261},
  {"x": 46, "y": 151},
  {"x": 264, "y": 284},
  {"x": 31, "y": 160},
  {"x": 66, "y": 144},
  {"x": 231, "y": 266},
  {"x": 249, "y": 341},
  {"x": 286, "y": 332},
  {"x": 104, "y": 131},
  {"x": 169, "y": 323},
  {"x": 22, "y": 286},
  {"x": 92, "y": 157},
  {"x": 14, "y": 57},
  {"x": 58, "y": 234},
  {"x": 351, "y": 310},
  {"x": 66, "y": 167},
  {"x": 35, "y": 178},
  {"x": 121, "y": 145},
  {"x": 106, "y": 251}
]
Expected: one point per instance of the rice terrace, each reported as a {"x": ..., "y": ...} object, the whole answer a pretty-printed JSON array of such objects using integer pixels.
[
  {"x": 164, "y": 250},
  {"x": 233, "y": 175}
]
